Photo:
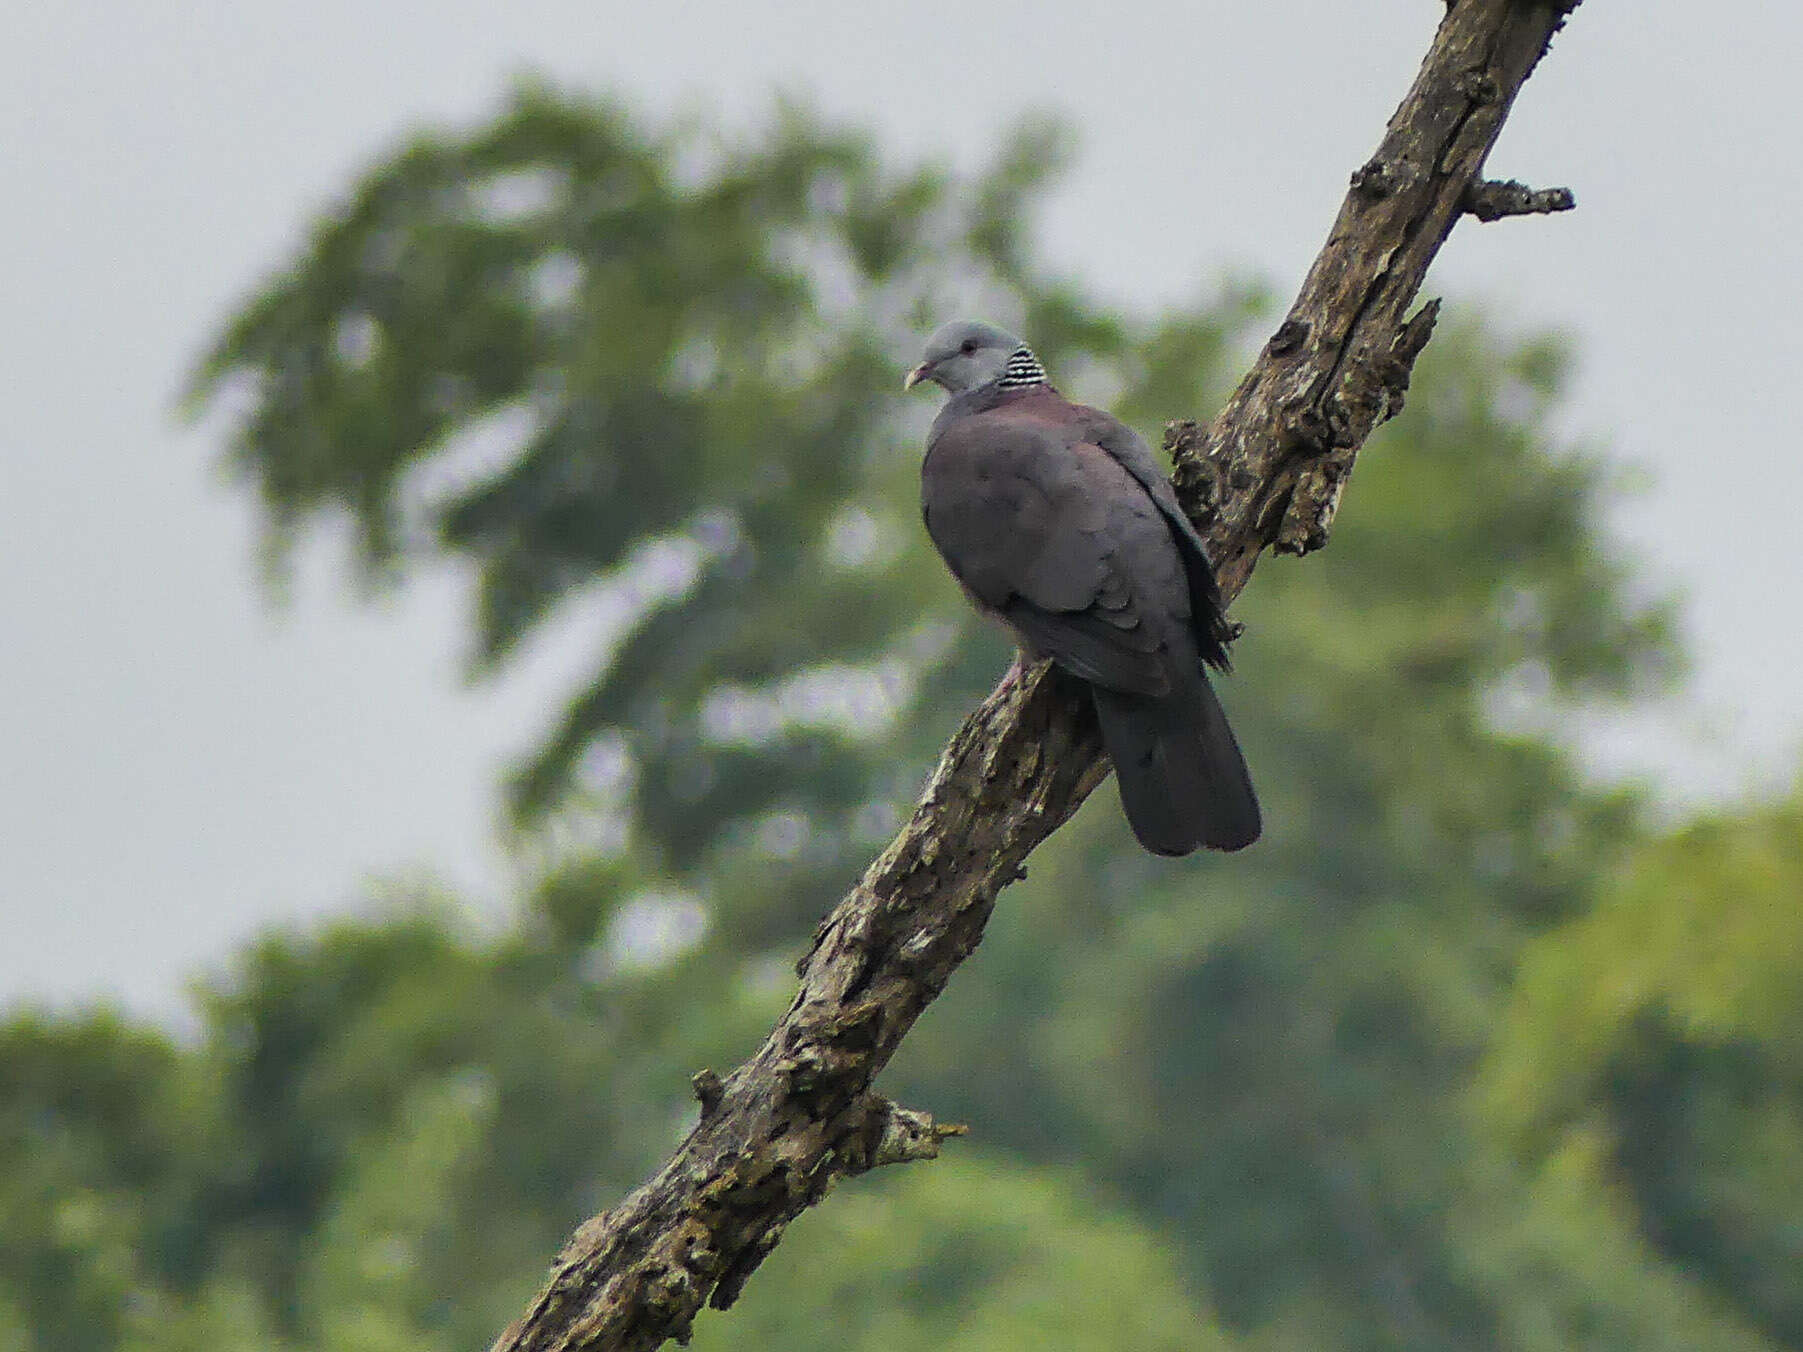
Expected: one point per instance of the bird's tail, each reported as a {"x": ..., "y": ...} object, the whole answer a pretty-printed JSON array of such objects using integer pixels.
[{"x": 1183, "y": 780}]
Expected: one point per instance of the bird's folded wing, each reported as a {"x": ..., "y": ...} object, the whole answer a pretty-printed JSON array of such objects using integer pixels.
[
  {"x": 1213, "y": 631},
  {"x": 1033, "y": 529}
]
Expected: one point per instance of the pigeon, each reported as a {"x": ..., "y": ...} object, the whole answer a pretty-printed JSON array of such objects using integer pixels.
[{"x": 1056, "y": 520}]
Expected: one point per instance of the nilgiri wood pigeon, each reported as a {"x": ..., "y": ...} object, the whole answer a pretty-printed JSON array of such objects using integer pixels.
[{"x": 1055, "y": 519}]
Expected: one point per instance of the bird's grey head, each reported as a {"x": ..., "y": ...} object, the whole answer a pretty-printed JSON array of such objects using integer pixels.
[{"x": 969, "y": 353}]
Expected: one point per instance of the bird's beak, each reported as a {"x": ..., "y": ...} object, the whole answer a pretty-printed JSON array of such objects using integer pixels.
[{"x": 922, "y": 372}]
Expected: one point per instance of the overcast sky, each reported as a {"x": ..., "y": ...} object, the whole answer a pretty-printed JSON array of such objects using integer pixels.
[{"x": 181, "y": 764}]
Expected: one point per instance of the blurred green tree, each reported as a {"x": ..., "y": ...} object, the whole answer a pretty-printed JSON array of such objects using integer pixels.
[
  {"x": 654, "y": 375},
  {"x": 1651, "y": 1064}
]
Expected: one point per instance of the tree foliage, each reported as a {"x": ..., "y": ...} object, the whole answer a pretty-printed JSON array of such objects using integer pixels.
[
  {"x": 1459, "y": 1057},
  {"x": 1651, "y": 1050}
]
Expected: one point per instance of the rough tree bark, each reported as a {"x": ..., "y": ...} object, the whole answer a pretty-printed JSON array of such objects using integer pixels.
[{"x": 779, "y": 1131}]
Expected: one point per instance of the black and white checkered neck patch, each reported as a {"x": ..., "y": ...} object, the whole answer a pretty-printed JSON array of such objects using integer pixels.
[{"x": 1023, "y": 368}]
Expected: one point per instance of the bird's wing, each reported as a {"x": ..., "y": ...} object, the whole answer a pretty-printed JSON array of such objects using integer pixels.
[
  {"x": 1212, "y": 630},
  {"x": 1052, "y": 533}
]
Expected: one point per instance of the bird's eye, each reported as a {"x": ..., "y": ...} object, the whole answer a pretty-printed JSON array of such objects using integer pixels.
[{"x": 969, "y": 346}]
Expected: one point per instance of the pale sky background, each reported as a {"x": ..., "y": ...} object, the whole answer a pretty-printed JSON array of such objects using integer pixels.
[{"x": 183, "y": 764}]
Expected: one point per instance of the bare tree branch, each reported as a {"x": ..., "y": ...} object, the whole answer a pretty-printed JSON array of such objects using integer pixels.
[
  {"x": 780, "y": 1130},
  {"x": 1493, "y": 199}
]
